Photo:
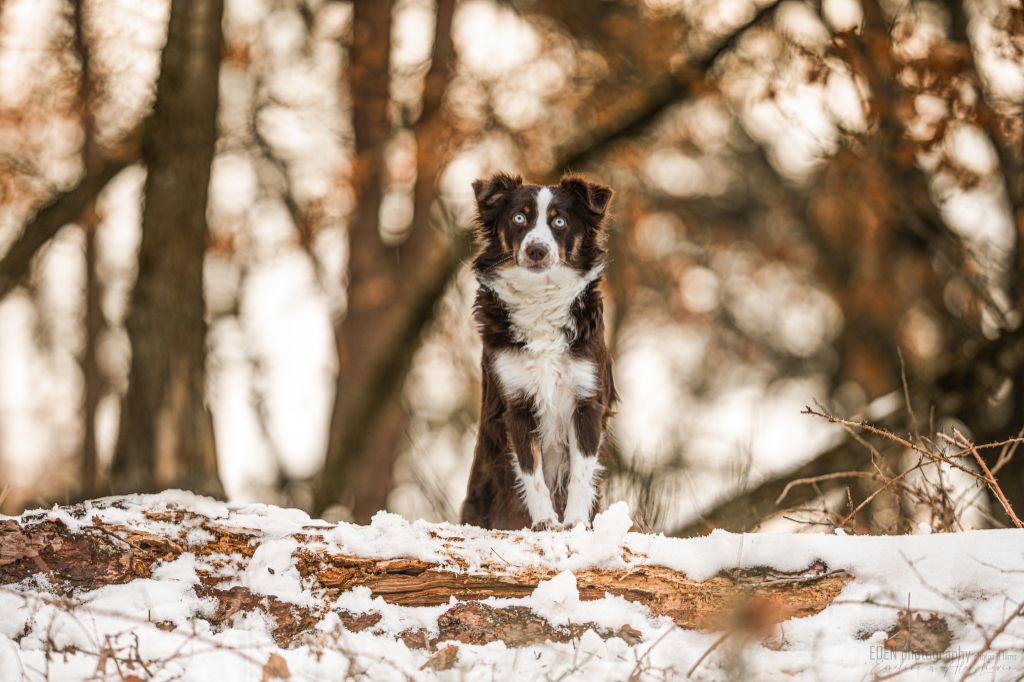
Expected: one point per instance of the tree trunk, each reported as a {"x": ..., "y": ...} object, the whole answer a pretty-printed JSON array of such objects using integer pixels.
[
  {"x": 370, "y": 316},
  {"x": 392, "y": 290},
  {"x": 166, "y": 430},
  {"x": 93, "y": 322},
  {"x": 92, "y": 375}
]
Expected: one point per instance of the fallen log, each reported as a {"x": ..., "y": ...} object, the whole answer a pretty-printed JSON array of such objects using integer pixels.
[
  {"x": 173, "y": 585},
  {"x": 117, "y": 540}
]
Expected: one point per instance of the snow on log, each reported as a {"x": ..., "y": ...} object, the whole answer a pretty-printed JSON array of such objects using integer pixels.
[
  {"x": 413, "y": 599},
  {"x": 77, "y": 549}
]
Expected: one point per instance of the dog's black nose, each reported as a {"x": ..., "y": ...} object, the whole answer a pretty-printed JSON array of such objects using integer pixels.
[{"x": 536, "y": 252}]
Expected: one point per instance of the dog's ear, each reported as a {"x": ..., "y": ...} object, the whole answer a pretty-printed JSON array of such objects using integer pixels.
[
  {"x": 490, "y": 192},
  {"x": 594, "y": 197}
]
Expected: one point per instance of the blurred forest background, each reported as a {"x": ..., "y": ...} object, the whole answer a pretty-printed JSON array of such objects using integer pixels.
[{"x": 234, "y": 239}]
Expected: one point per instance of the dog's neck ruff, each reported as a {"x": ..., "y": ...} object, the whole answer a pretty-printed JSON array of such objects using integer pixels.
[{"x": 540, "y": 304}]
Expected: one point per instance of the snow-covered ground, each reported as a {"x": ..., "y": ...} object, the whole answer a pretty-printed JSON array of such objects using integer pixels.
[{"x": 154, "y": 628}]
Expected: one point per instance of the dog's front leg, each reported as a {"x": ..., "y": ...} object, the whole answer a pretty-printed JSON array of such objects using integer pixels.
[
  {"x": 584, "y": 440},
  {"x": 522, "y": 431}
]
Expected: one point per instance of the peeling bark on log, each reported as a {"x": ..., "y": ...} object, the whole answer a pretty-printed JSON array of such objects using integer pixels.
[
  {"x": 98, "y": 554},
  {"x": 704, "y": 605}
]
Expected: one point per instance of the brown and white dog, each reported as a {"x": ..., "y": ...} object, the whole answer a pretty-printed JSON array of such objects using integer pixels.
[{"x": 547, "y": 374}]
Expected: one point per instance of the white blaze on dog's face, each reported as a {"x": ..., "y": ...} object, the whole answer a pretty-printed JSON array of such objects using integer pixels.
[{"x": 539, "y": 250}]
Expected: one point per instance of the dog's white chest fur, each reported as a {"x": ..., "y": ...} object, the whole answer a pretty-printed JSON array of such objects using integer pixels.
[
  {"x": 553, "y": 382},
  {"x": 544, "y": 370}
]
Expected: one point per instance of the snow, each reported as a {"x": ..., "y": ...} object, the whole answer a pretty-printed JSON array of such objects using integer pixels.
[
  {"x": 271, "y": 571},
  {"x": 973, "y": 579}
]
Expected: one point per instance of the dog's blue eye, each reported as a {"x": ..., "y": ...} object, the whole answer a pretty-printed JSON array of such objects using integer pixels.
[
  {"x": 519, "y": 219},
  {"x": 559, "y": 222}
]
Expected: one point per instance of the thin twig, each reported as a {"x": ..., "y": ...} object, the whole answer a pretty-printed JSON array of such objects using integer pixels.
[
  {"x": 714, "y": 645},
  {"x": 906, "y": 395},
  {"x": 870, "y": 428},
  {"x": 987, "y": 646},
  {"x": 823, "y": 477},
  {"x": 989, "y": 478}
]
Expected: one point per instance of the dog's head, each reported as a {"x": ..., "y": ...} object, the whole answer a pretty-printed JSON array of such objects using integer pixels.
[{"x": 540, "y": 228}]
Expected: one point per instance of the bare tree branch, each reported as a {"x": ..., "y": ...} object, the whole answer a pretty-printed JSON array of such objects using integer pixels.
[
  {"x": 60, "y": 210},
  {"x": 744, "y": 510},
  {"x": 666, "y": 93},
  {"x": 431, "y": 129}
]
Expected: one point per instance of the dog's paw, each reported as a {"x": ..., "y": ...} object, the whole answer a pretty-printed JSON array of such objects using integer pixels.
[
  {"x": 576, "y": 523},
  {"x": 547, "y": 524}
]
